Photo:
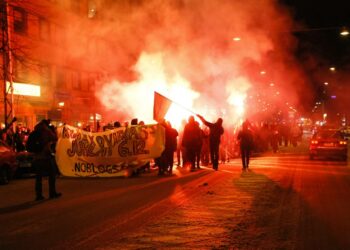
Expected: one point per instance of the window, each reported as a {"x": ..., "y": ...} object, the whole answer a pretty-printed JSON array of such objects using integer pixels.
[
  {"x": 45, "y": 74},
  {"x": 60, "y": 79},
  {"x": 19, "y": 20},
  {"x": 44, "y": 29},
  {"x": 59, "y": 36},
  {"x": 76, "y": 80},
  {"x": 20, "y": 70},
  {"x": 91, "y": 82}
]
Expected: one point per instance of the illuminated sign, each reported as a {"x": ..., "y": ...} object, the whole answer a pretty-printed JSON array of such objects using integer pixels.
[{"x": 24, "y": 89}]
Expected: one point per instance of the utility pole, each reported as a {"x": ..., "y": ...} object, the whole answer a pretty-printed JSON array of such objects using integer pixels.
[{"x": 7, "y": 63}]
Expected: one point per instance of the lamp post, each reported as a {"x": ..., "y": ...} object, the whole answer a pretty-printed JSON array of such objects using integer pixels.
[
  {"x": 7, "y": 63},
  {"x": 324, "y": 99}
]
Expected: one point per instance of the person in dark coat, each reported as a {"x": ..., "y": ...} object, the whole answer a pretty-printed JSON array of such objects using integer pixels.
[
  {"x": 191, "y": 140},
  {"x": 245, "y": 137},
  {"x": 171, "y": 135},
  {"x": 43, "y": 160},
  {"x": 215, "y": 132},
  {"x": 199, "y": 147}
]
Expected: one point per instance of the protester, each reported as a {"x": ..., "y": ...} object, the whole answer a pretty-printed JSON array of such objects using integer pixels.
[
  {"x": 198, "y": 148},
  {"x": 215, "y": 132},
  {"x": 205, "y": 152},
  {"x": 245, "y": 137},
  {"x": 134, "y": 122},
  {"x": 181, "y": 151},
  {"x": 40, "y": 144},
  {"x": 191, "y": 140},
  {"x": 171, "y": 135},
  {"x": 116, "y": 124}
]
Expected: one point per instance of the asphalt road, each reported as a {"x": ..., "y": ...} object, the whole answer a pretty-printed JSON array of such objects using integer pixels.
[{"x": 284, "y": 201}]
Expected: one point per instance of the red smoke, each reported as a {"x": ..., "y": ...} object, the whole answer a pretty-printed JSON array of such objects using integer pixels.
[{"x": 190, "y": 43}]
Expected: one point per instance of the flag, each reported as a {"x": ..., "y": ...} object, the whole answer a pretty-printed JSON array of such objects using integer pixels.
[{"x": 160, "y": 107}]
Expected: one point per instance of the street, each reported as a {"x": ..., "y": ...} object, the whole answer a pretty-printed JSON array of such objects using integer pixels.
[{"x": 284, "y": 201}]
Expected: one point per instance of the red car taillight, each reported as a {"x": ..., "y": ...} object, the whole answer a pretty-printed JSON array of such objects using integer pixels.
[
  {"x": 314, "y": 142},
  {"x": 343, "y": 142}
]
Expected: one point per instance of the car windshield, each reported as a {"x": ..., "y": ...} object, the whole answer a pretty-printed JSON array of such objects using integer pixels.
[{"x": 324, "y": 134}]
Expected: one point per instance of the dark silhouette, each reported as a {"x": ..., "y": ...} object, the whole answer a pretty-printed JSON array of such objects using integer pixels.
[
  {"x": 205, "y": 153},
  {"x": 43, "y": 160},
  {"x": 191, "y": 141},
  {"x": 215, "y": 132},
  {"x": 134, "y": 121},
  {"x": 199, "y": 147},
  {"x": 171, "y": 135},
  {"x": 116, "y": 124},
  {"x": 180, "y": 151},
  {"x": 245, "y": 137},
  {"x": 166, "y": 161}
]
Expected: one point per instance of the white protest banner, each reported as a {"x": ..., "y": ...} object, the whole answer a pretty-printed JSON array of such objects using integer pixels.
[{"x": 109, "y": 153}]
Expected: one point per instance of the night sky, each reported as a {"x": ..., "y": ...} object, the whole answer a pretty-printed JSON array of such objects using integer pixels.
[
  {"x": 319, "y": 44},
  {"x": 322, "y": 22}
]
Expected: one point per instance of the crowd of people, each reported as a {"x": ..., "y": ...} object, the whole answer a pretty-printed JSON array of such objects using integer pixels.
[
  {"x": 15, "y": 136},
  {"x": 41, "y": 144},
  {"x": 200, "y": 146},
  {"x": 194, "y": 146}
]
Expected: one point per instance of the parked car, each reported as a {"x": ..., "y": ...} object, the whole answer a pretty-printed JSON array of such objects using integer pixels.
[
  {"x": 328, "y": 143},
  {"x": 25, "y": 166},
  {"x": 346, "y": 132},
  {"x": 8, "y": 163}
]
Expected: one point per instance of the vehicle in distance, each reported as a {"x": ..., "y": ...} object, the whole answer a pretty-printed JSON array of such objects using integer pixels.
[
  {"x": 328, "y": 143},
  {"x": 8, "y": 163}
]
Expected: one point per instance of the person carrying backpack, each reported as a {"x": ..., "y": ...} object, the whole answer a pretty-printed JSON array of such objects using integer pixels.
[{"x": 40, "y": 145}]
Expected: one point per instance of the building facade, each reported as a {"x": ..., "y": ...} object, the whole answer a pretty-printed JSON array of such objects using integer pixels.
[{"x": 51, "y": 52}]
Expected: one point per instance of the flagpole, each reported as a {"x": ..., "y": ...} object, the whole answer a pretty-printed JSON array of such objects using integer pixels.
[{"x": 182, "y": 106}]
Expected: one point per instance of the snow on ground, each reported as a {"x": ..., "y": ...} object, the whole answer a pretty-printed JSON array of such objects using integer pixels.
[{"x": 243, "y": 211}]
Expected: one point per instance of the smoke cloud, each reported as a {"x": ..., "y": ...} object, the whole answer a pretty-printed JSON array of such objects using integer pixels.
[{"x": 230, "y": 59}]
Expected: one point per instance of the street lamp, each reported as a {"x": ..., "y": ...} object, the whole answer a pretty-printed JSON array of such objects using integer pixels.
[{"x": 344, "y": 32}]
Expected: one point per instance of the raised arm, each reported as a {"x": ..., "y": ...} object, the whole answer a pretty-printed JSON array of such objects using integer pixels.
[{"x": 203, "y": 120}]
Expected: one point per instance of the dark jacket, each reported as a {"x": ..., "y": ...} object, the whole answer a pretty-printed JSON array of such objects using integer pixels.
[
  {"x": 192, "y": 136},
  {"x": 215, "y": 130}
]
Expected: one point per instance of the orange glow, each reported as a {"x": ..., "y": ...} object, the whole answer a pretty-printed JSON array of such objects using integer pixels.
[
  {"x": 205, "y": 55},
  {"x": 180, "y": 110},
  {"x": 136, "y": 98},
  {"x": 24, "y": 89}
]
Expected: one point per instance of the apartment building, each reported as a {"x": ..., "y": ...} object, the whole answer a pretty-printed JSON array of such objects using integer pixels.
[{"x": 53, "y": 61}]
